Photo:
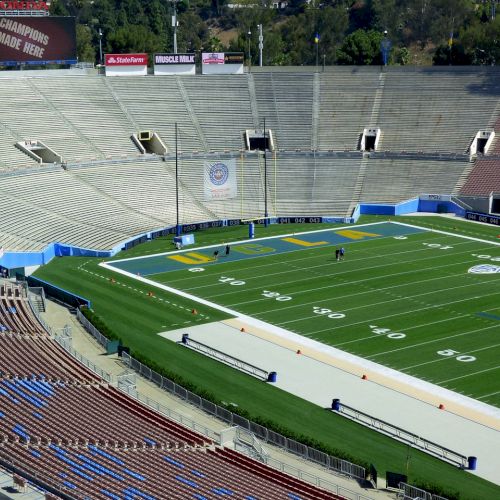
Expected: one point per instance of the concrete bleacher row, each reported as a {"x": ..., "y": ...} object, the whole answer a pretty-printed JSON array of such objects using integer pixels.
[
  {"x": 84, "y": 118},
  {"x": 102, "y": 205},
  {"x": 64, "y": 429}
]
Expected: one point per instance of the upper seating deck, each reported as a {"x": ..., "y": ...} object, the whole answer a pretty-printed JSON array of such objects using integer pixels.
[{"x": 84, "y": 118}]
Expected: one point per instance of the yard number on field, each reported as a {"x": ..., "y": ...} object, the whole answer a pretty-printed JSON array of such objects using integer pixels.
[
  {"x": 450, "y": 352},
  {"x": 327, "y": 312},
  {"x": 437, "y": 245},
  {"x": 231, "y": 281},
  {"x": 387, "y": 332},
  {"x": 275, "y": 295}
]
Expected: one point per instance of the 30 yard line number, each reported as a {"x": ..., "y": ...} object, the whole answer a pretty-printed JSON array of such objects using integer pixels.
[{"x": 328, "y": 312}]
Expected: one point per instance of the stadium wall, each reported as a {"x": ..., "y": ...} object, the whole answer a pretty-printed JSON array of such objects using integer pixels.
[{"x": 405, "y": 207}]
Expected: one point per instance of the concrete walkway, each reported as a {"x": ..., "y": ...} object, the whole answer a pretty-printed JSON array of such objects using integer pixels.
[{"x": 321, "y": 373}]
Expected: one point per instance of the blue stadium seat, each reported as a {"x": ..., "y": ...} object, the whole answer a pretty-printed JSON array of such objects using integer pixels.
[
  {"x": 186, "y": 481},
  {"x": 174, "y": 462}
]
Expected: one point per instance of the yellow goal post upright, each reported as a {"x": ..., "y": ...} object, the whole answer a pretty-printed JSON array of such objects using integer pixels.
[{"x": 264, "y": 177}]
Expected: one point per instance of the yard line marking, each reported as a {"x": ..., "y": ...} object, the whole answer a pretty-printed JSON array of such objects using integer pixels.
[
  {"x": 431, "y": 341},
  {"x": 347, "y": 283},
  {"x": 329, "y": 265},
  {"x": 488, "y": 395},
  {"x": 340, "y": 275},
  {"x": 444, "y": 358},
  {"x": 406, "y": 297},
  {"x": 469, "y": 375},
  {"x": 405, "y": 329},
  {"x": 373, "y": 320}
]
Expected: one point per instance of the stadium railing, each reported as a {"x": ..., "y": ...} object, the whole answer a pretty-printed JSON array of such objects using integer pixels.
[
  {"x": 409, "y": 492},
  {"x": 101, "y": 339},
  {"x": 333, "y": 463},
  {"x": 65, "y": 341},
  {"x": 403, "y": 435},
  {"x": 211, "y": 352}
]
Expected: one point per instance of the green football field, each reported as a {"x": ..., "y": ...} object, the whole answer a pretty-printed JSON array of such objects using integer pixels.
[{"x": 426, "y": 303}]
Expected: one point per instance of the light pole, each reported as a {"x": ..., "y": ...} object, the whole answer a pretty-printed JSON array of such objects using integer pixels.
[
  {"x": 174, "y": 25},
  {"x": 249, "y": 34},
  {"x": 177, "y": 225},
  {"x": 385, "y": 48},
  {"x": 100, "y": 46},
  {"x": 261, "y": 44},
  {"x": 266, "y": 213}
]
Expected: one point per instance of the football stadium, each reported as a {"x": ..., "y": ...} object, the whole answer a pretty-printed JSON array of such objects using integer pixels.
[{"x": 280, "y": 283}]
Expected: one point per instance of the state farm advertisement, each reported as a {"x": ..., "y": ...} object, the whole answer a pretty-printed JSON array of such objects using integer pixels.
[
  {"x": 126, "y": 59},
  {"x": 37, "y": 40}
]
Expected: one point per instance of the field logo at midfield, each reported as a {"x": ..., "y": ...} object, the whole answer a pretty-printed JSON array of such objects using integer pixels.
[{"x": 484, "y": 269}]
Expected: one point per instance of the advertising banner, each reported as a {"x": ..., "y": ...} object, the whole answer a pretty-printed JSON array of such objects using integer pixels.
[
  {"x": 11, "y": 7},
  {"x": 212, "y": 58},
  {"x": 233, "y": 57},
  {"x": 126, "y": 64},
  {"x": 126, "y": 59},
  {"x": 220, "y": 180},
  {"x": 174, "y": 64},
  {"x": 224, "y": 63},
  {"x": 37, "y": 40}
]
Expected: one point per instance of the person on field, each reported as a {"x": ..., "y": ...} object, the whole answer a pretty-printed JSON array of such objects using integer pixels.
[
  {"x": 342, "y": 252},
  {"x": 337, "y": 254},
  {"x": 228, "y": 249},
  {"x": 216, "y": 254}
]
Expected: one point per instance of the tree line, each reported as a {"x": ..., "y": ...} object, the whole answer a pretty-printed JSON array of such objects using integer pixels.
[{"x": 299, "y": 32}]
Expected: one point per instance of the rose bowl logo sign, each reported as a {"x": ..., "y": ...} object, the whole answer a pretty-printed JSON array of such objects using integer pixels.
[
  {"x": 212, "y": 58},
  {"x": 219, "y": 174},
  {"x": 126, "y": 59},
  {"x": 484, "y": 269}
]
